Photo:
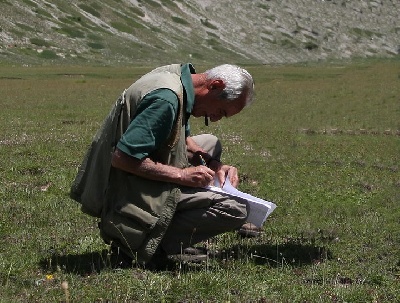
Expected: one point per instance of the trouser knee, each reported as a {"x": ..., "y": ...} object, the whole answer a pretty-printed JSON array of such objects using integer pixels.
[{"x": 210, "y": 144}]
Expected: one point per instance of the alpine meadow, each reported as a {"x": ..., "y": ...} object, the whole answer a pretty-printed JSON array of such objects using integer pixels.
[{"x": 321, "y": 140}]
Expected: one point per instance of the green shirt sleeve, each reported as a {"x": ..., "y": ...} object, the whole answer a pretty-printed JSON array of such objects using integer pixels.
[{"x": 152, "y": 124}]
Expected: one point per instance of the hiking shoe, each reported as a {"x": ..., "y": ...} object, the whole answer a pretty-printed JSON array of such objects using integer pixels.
[
  {"x": 119, "y": 259},
  {"x": 249, "y": 230},
  {"x": 188, "y": 258},
  {"x": 160, "y": 261},
  {"x": 194, "y": 251},
  {"x": 190, "y": 255}
]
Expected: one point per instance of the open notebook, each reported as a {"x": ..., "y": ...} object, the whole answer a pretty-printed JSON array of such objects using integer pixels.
[{"x": 259, "y": 208}]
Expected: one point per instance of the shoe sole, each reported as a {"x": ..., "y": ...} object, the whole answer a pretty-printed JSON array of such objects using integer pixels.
[
  {"x": 188, "y": 258},
  {"x": 249, "y": 233}
]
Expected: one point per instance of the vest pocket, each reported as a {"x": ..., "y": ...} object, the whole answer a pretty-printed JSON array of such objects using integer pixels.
[
  {"x": 130, "y": 225},
  {"x": 138, "y": 215}
]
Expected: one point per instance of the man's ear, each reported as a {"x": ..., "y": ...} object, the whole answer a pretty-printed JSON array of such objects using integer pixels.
[{"x": 217, "y": 84}]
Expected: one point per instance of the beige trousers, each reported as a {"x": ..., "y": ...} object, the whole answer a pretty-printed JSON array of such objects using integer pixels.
[{"x": 202, "y": 214}]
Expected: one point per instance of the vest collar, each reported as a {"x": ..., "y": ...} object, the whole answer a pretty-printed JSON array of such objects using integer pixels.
[{"x": 186, "y": 76}]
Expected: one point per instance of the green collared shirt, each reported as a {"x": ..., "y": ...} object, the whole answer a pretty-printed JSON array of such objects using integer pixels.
[{"x": 155, "y": 118}]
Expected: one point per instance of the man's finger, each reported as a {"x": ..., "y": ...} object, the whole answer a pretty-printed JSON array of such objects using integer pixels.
[
  {"x": 221, "y": 178},
  {"x": 233, "y": 177}
]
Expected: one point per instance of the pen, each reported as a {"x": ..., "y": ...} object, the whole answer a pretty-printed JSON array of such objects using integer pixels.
[
  {"x": 226, "y": 176},
  {"x": 202, "y": 161}
]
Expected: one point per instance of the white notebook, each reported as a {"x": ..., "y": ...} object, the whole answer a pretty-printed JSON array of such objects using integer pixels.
[{"x": 259, "y": 208}]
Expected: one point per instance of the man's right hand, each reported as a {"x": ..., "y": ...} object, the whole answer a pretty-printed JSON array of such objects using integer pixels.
[
  {"x": 194, "y": 176},
  {"x": 197, "y": 176}
]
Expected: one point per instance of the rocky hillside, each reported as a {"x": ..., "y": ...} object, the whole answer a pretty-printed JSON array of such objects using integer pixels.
[{"x": 163, "y": 31}]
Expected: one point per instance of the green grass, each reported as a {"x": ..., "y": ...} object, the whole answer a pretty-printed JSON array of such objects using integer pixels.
[
  {"x": 179, "y": 20},
  {"x": 39, "y": 42},
  {"x": 71, "y": 32},
  {"x": 48, "y": 54},
  {"x": 321, "y": 141},
  {"x": 91, "y": 10}
]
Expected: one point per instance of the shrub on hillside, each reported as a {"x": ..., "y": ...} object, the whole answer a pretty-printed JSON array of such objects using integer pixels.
[{"x": 48, "y": 54}]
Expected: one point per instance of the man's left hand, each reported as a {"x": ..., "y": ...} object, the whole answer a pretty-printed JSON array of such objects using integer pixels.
[{"x": 225, "y": 171}]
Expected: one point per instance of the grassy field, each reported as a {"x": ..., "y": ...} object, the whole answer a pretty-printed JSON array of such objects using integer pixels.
[{"x": 321, "y": 141}]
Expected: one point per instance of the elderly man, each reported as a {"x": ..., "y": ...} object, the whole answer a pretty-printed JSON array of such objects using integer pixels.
[{"x": 145, "y": 175}]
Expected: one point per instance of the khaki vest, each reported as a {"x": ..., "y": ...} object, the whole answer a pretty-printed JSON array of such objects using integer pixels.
[{"x": 135, "y": 211}]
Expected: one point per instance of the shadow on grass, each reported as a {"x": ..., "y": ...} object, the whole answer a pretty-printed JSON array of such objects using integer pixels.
[
  {"x": 288, "y": 254},
  {"x": 293, "y": 254},
  {"x": 80, "y": 264}
]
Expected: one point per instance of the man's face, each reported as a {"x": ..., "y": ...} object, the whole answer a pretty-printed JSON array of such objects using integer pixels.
[
  {"x": 211, "y": 106},
  {"x": 222, "y": 108}
]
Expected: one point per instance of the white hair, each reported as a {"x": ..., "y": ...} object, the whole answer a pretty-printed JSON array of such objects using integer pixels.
[{"x": 237, "y": 80}]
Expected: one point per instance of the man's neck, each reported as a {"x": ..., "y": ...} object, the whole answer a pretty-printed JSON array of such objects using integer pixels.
[{"x": 199, "y": 82}]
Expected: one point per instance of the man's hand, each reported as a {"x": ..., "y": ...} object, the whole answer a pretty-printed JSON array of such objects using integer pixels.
[
  {"x": 228, "y": 172},
  {"x": 197, "y": 176},
  {"x": 194, "y": 176},
  {"x": 225, "y": 171}
]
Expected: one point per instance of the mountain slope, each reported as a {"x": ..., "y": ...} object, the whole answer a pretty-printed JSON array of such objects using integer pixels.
[{"x": 245, "y": 31}]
